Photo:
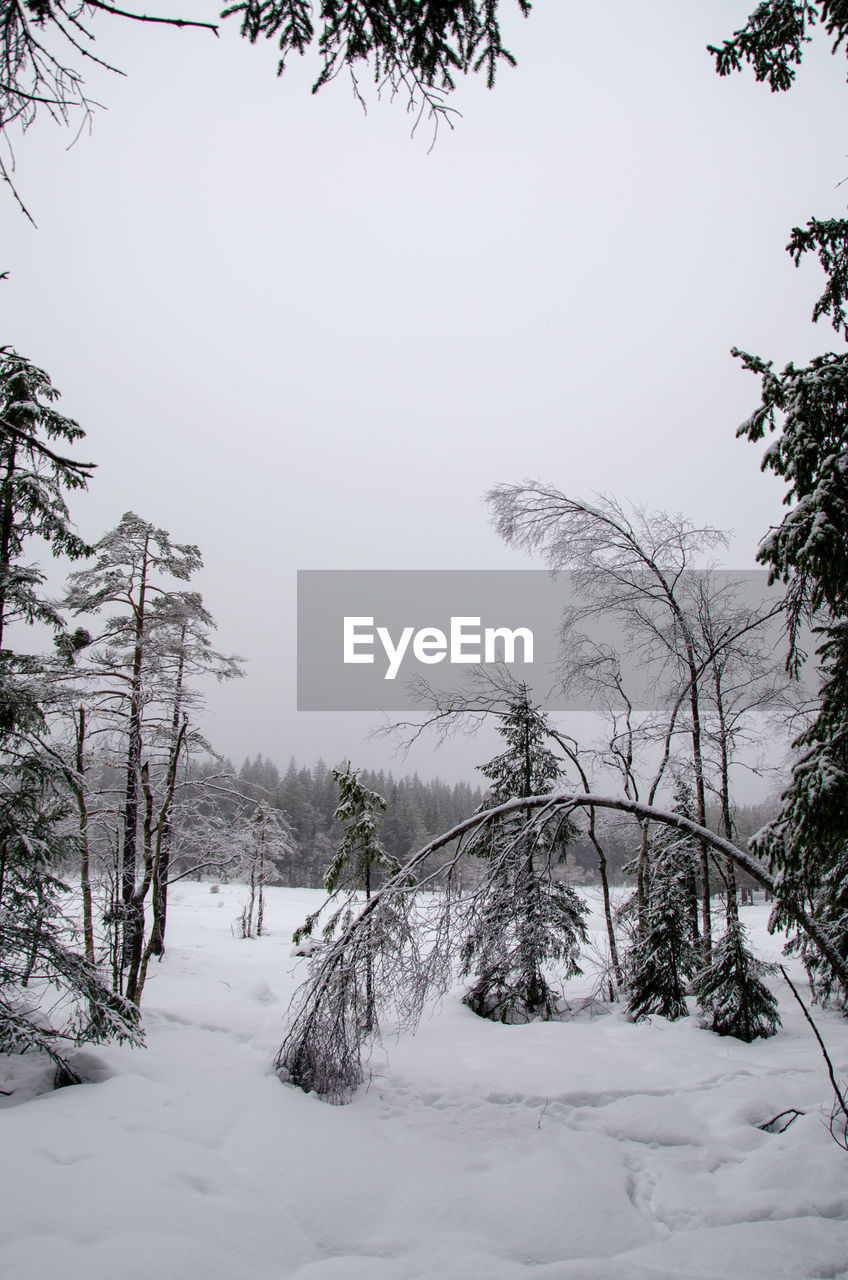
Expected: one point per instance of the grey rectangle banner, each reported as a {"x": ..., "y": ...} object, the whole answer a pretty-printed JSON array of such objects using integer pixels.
[{"x": 366, "y": 638}]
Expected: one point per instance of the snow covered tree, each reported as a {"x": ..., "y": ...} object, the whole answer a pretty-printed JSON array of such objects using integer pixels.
[
  {"x": 525, "y": 920},
  {"x": 361, "y": 852},
  {"x": 325, "y": 1039},
  {"x": 180, "y": 648},
  {"x": 680, "y": 853},
  {"x": 806, "y": 410},
  {"x": 629, "y": 565},
  {"x": 663, "y": 957},
  {"x": 33, "y": 478},
  {"x": 261, "y": 839},
  {"x": 730, "y": 990},
  {"x": 359, "y": 855},
  {"x": 137, "y": 672},
  {"x": 50, "y": 996}
]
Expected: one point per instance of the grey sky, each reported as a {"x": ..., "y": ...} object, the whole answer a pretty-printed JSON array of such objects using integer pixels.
[{"x": 300, "y": 340}]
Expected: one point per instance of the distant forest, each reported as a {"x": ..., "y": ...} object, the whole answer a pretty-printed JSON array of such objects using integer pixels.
[{"x": 416, "y": 812}]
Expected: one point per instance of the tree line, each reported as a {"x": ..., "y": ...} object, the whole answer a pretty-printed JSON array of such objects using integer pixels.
[{"x": 308, "y": 798}]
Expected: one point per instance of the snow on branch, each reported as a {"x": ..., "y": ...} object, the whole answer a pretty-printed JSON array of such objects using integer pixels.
[{"x": 406, "y": 947}]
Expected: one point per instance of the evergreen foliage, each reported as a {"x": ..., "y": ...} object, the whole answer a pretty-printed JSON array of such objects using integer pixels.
[
  {"x": 806, "y": 410},
  {"x": 730, "y": 990},
  {"x": 527, "y": 920},
  {"x": 50, "y": 996},
  {"x": 663, "y": 957},
  {"x": 361, "y": 851},
  {"x": 829, "y": 906},
  {"x": 359, "y": 856},
  {"x": 33, "y": 482},
  {"x": 309, "y": 797},
  {"x": 404, "y": 42},
  {"x": 772, "y": 40}
]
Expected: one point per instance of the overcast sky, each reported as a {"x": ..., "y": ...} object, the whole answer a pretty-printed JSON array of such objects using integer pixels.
[{"x": 301, "y": 338}]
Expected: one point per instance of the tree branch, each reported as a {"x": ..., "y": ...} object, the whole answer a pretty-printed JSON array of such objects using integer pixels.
[{"x": 143, "y": 17}]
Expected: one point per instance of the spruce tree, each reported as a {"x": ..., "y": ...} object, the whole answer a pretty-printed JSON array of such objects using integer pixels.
[
  {"x": 50, "y": 996},
  {"x": 805, "y": 411},
  {"x": 730, "y": 990},
  {"x": 524, "y": 920},
  {"x": 663, "y": 957},
  {"x": 360, "y": 856},
  {"x": 665, "y": 949}
]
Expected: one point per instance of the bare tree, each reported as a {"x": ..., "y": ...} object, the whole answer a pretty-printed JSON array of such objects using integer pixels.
[{"x": 634, "y": 566}]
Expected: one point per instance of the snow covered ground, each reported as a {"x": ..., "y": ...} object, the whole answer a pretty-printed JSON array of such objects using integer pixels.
[{"x": 589, "y": 1150}]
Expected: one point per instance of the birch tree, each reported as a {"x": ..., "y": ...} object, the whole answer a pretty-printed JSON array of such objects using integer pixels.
[{"x": 627, "y": 564}]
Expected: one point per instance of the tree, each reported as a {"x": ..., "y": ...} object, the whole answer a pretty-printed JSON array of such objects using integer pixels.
[
  {"x": 181, "y": 648},
  {"x": 361, "y": 851},
  {"x": 406, "y": 47},
  {"x": 258, "y": 840},
  {"x": 32, "y": 480},
  {"x": 37, "y": 961},
  {"x": 417, "y": 50},
  {"x": 526, "y": 920},
  {"x": 325, "y": 1039},
  {"x": 665, "y": 951},
  {"x": 807, "y": 410},
  {"x": 730, "y": 989},
  {"x": 131, "y": 561},
  {"x": 630, "y": 565},
  {"x": 359, "y": 855},
  {"x": 772, "y": 40},
  {"x": 663, "y": 958}
]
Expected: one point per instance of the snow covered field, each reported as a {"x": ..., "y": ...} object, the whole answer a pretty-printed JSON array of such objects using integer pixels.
[{"x": 589, "y": 1150}]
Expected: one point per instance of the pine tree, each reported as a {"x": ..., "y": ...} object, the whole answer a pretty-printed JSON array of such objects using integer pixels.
[
  {"x": 525, "y": 919},
  {"x": 730, "y": 989},
  {"x": 130, "y": 562}
]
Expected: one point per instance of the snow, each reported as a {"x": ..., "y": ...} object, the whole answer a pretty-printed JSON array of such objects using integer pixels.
[{"x": 594, "y": 1149}]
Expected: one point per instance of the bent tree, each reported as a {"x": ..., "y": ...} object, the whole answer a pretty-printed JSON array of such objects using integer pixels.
[
  {"x": 323, "y": 1047},
  {"x": 629, "y": 565}
]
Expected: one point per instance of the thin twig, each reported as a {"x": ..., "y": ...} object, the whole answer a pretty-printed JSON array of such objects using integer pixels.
[{"x": 840, "y": 1096}]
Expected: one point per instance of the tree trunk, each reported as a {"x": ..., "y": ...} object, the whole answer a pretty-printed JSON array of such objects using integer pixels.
[
  {"x": 701, "y": 806},
  {"x": 131, "y": 938},
  {"x": 85, "y": 861},
  {"x": 6, "y": 526},
  {"x": 602, "y": 867},
  {"x": 160, "y": 881},
  {"x": 726, "y": 816}
]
